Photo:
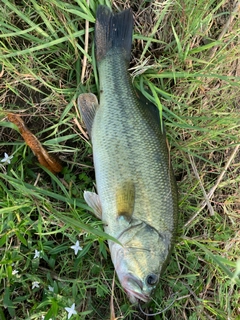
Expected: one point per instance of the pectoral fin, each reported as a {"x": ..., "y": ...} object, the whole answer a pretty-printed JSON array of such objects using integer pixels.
[
  {"x": 93, "y": 201},
  {"x": 88, "y": 104},
  {"x": 125, "y": 198}
]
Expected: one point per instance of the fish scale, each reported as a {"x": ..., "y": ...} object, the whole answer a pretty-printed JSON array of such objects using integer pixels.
[
  {"x": 127, "y": 149},
  {"x": 136, "y": 190}
]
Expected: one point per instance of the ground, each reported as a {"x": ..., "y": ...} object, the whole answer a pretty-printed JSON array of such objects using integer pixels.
[{"x": 185, "y": 58}]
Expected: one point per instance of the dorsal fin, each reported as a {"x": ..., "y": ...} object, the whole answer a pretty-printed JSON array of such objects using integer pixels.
[{"x": 88, "y": 104}]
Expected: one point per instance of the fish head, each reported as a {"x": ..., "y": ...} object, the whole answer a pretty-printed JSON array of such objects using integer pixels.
[
  {"x": 138, "y": 286},
  {"x": 140, "y": 260}
]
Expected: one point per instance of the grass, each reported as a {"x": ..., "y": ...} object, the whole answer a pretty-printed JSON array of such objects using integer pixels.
[{"x": 185, "y": 59}]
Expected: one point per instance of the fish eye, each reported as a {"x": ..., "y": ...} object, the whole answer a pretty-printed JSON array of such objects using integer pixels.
[{"x": 152, "y": 279}]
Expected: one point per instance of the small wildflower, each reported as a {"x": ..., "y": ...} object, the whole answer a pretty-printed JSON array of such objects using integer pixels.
[
  {"x": 50, "y": 288},
  {"x": 35, "y": 284},
  {"x": 37, "y": 254},
  {"x": 14, "y": 272},
  {"x": 71, "y": 310},
  {"x": 76, "y": 248},
  {"x": 7, "y": 158}
]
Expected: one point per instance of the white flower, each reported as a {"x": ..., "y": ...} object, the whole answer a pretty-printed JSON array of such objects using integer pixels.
[
  {"x": 14, "y": 272},
  {"x": 35, "y": 284},
  {"x": 6, "y": 159},
  {"x": 37, "y": 254},
  {"x": 76, "y": 247},
  {"x": 50, "y": 288},
  {"x": 71, "y": 311}
]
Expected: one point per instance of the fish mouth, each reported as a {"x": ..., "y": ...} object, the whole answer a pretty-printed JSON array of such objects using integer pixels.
[
  {"x": 135, "y": 296},
  {"x": 134, "y": 289}
]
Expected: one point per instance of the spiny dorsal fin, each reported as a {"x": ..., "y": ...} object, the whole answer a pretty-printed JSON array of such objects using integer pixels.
[
  {"x": 125, "y": 198},
  {"x": 88, "y": 104}
]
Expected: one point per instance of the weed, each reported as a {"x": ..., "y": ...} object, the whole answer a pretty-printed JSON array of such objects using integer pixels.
[{"x": 185, "y": 59}]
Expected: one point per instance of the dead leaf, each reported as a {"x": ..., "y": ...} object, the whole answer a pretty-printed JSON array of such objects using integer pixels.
[{"x": 44, "y": 158}]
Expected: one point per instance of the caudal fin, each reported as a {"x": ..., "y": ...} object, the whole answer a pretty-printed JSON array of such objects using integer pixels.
[{"x": 113, "y": 33}]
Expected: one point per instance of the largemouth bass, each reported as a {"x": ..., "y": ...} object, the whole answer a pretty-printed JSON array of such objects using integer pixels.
[{"x": 137, "y": 195}]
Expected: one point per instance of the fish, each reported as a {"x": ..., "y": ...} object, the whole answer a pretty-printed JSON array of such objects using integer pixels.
[{"x": 137, "y": 198}]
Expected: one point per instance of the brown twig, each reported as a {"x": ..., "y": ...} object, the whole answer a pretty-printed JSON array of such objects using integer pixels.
[
  {"x": 84, "y": 63},
  {"x": 112, "y": 312},
  {"x": 2, "y": 71},
  {"x": 80, "y": 128},
  {"x": 212, "y": 190},
  {"x": 210, "y": 208},
  {"x": 226, "y": 26}
]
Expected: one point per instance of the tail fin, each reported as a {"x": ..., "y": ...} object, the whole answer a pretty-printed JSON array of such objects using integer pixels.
[{"x": 113, "y": 31}]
